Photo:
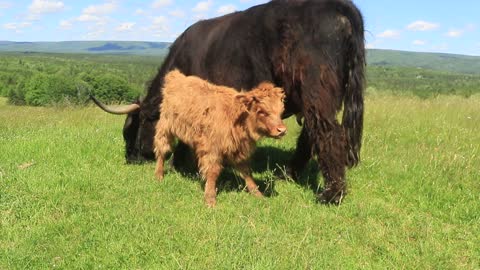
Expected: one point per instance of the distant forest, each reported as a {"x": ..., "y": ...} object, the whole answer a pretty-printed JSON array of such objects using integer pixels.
[
  {"x": 43, "y": 79},
  {"x": 52, "y": 79}
]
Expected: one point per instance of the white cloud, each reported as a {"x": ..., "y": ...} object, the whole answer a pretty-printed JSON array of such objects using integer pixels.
[
  {"x": 177, "y": 13},
  {"x": 470, "y": 27},
  {"x": 226, "y": 9},
  {"x": 441, "y": 47},
  {"x": 203, "y": 6},
  {"x": 419, "y": 42},
  {"x": 254, "y": 1},
  {"x": 200, "y": 16},
  {"x": 10, "y": 26},
  {"x": 65, "y": 25},
  {"x": 374, "y": 44},
  {"x": 389, "y": 34},
  {"x": 94, "y": 34},
  {"x": 159, "y": 26},
  {"x": 101, "y": 22},
  {"x": 45, "y": 6},
  {"x": 97, "y": 14},
  {"x": 161, "y": 3},
  {"x": 422, "y": 26},
  {"x": 159, "y": 20},
  {"x": 139, "y": 11},
  {"x": 127, "y": 26},
  {"x": 88, "y": 18},
  {"x": 17, "y": 27},
  {"x": 5, "y": 5},
  {"x": 102, "y": 9},
  {"x": 454, "y": 33}
]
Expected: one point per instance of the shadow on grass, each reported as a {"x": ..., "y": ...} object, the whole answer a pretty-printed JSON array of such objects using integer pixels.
[
  {"x": 273, "y": 159},
  {"x": 271, "y": 162}
]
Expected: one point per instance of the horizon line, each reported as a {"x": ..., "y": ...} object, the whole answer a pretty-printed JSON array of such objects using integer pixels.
[{"x": 385, "y": 49}]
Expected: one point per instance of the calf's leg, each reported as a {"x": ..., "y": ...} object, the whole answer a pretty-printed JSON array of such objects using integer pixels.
[
  {"x": 163, "y": 145},
  {"x": 246, "y": 173},
  {"x": 210, "y": 168}
]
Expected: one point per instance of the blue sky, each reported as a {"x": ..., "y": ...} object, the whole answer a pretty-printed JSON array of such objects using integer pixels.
[{"x": 420, "y": 25}]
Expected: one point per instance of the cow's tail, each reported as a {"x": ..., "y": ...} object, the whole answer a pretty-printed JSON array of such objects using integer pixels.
[{"x": 353, "y": 108}]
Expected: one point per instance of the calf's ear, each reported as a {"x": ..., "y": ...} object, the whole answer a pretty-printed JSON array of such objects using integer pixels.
[
  {"x": 265, "y": 86},
  {"x": 246, "y": 100}
]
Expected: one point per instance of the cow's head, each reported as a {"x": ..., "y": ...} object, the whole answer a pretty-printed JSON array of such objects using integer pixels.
[
  {"x": 265, "y": 106},
  {"x": 138, "y": 130}
]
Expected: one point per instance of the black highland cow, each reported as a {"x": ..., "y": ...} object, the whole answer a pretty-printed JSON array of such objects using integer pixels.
[{"x": 314, "y": 49}]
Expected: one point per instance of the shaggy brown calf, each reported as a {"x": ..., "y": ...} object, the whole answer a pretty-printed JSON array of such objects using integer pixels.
[{"x": 219, "y": 123}]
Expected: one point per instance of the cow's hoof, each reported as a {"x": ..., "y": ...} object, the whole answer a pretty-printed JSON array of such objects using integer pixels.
[
  {"x": 330, "y": 196},
  {"x": 287, "y": 173}
]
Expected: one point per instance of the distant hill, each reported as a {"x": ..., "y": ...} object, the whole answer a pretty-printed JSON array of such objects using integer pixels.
[
  {"x": 99, "y": 47},
  {"x": 375, "y": 57},
  {"x": 434, "y": 61}
]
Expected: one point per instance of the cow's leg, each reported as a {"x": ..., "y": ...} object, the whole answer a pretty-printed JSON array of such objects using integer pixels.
[
  {"x": 246, "y": 173},
  {"x": 183, "y": 159},
  {"x": 210, "y": 168},
  {"x": 302, "y": 155},
  {"x": 330, "y": 148},
  {"x": 163, "y": 145}
]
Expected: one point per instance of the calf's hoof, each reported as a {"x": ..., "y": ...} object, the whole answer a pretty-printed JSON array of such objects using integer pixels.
[
  {"x": 257, "y": 193},
  {"x": 331, "y": 196},
  {"x": 210, "y": 201},
  {"x": 159, "y": 176}
]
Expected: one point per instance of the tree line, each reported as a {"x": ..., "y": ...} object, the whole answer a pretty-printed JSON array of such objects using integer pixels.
[
  {"x": 40, "y": 79},
  {"x": 421, "y": 82},
  {"x": 52, "y": 79}
]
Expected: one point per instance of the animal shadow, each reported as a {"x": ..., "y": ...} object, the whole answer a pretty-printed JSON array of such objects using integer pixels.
[
  {"x": 228, "y": 181},
  {"x": 270, "y": 161},
  {"x": 267, "y": 158}
]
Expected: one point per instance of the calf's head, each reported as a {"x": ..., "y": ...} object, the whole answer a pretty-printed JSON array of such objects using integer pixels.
[{"x": 265, "y": 107}]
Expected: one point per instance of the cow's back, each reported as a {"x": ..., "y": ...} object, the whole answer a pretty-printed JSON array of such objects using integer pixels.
[{"x": 231, "y": 50}]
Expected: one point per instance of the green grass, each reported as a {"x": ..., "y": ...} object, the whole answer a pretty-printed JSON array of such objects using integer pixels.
[{"x": 69, "y": 201}]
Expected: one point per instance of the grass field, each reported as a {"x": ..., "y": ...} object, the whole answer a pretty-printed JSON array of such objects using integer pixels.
[{"x": 69, "y": 201}]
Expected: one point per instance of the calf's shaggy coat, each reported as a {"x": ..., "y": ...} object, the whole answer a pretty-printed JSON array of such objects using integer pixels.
[{"x": 219, "y": 123}]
